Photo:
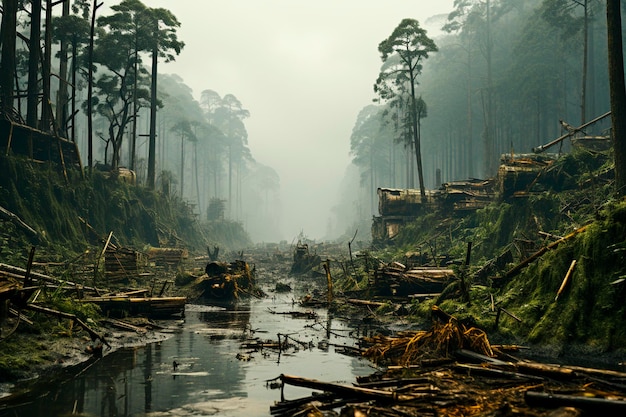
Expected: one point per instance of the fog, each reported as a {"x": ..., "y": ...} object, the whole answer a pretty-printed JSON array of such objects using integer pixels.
[{"x": 304, "y": 70}]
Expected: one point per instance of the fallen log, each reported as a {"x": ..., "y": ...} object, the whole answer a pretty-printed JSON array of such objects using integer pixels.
[
  {"x": 541, "y": 369},
  {"x": 94, "y": 335},
  {"x": 598, "y": 406},
  {"x": 21, "y": 273},
  {"x": 518, "y": 268},
  {"x": 494, "y": 373},
  {"x": 355, "y": 392},
  {"x": 124, "y": 326},
  {"x": 358, "y": 302},
  {"x": 288, "y": 405},
  {"x": 19, "y": 222}
]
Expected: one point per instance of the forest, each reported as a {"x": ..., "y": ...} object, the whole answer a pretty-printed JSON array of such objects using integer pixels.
[
  {"x": 504, "y": 77},
  {"x": 94, "y": 81},
  {"x": 507, "y": 76}
]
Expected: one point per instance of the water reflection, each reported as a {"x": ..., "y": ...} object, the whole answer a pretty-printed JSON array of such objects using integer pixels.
[{"x": 196, "y": 372}]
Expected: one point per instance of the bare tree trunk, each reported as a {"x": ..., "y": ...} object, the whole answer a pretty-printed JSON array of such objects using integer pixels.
[
  {"x": 62, "y": 99},
  {"x": 32, "y": 115},
  {"x": 92, "y": 35},
  {"x": 583, "y": 99},
  {"x": 153, "y": 109},
  {"x": 182, "y": 163},
  {"x": 46, "y": 106},
  {"x": 617, "y": 91},
  {"x": 7, "y": 65}
]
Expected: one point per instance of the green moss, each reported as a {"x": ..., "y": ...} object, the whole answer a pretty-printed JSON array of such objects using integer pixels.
[{"x": 591, "y": 309}]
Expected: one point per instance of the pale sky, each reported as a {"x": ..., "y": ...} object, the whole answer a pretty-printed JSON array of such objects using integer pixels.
[{"x": 304, "y": 69}]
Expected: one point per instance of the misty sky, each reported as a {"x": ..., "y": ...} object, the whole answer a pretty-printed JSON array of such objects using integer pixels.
[{"x": 304, "y": 70}]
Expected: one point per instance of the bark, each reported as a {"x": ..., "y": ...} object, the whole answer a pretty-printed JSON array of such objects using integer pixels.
[
  {"x": 7, "y": 65},
  {"x": 617, "y": 92},
  {"x": 33, "y": 66},
  {"x": 153, "y": 109},
  {"x": 597, "y": 406}
]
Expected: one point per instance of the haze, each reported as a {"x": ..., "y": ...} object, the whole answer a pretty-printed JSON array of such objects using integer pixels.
[{"x": 304, "y": 70}]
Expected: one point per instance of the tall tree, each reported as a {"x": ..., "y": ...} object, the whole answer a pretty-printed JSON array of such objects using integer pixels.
[
  {"x": 90, "y": 61},
  {"x": 165, "y": 44},
  {"x": 618, "y": 91},
  {"x": 7, "y": 64},
  {"x": 117, "y": 53},
  {"x": 62, "y": 93},
  {"x": 73, "y": 32},
  {"x": 411, "y": 45},
  {"x": 32, "y": 104}
]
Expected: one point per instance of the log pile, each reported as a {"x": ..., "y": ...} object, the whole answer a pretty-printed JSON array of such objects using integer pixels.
[
  {"x": 167, "y": 257},
  {"x": 518, "y": 173},
  {"x": 403, "y": 202},
  {"x": 467, "y": 195},
  {"x": 395, "y": 279},
  {"x": 122, "y": 264},
  {"x": 127, "y": 304}
]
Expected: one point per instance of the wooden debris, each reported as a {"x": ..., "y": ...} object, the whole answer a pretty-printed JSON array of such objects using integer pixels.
[
  {"x": 168, "y": 257},
  {"x": 597, "y": 406},
  {"x": 309, "y": 314},
  {"x": 227, "y": 281},
  {"x": 486, "y": 386},
  {"x": 367, "y": 303},
  {"x": 40, "y": 309},
  {"x": 124, "y": 326},
  {"x": 123, "y": 305},
  {"x": 4, "y": 213},
  {"x": 122, "y": 264},
  {"x": 500, "y": 281},
  {"x": 395, "y": 279},
  {"x": 353, "y": 392},
  {"x": 303, "y": 259},
  {"x": 20, "y": 274},
  {"x": 568, "y": 275},
  {"x": 445, "y": 337}
]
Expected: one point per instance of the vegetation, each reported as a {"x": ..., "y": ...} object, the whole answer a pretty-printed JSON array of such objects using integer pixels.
[
  {"x": 504, "y": 75},
  {"x": 403, "y": 54},
  {"x": 588, "y": 313},
  {"x": 59, "y": 212},
  {"x": 114, "y": 56}
]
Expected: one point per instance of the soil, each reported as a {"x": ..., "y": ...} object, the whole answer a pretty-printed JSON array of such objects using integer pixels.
[{"x": 55, "y": 356}]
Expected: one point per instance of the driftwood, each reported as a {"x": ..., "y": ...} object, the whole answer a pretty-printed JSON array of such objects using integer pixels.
[{"x": 329, "y": 281}]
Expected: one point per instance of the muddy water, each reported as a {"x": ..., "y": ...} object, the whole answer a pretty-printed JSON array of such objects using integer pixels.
[{"x": 213, "y": 375}]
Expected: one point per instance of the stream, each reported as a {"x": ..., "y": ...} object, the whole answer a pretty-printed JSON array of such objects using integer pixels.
[{"x": 202, "y": 370}]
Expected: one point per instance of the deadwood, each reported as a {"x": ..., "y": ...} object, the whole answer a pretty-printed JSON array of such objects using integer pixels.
[
  {"x": 18, "y": 221},
  {"x": 500, "y": 281},
  {"x": 357, "y": 392},
  {"x": 597, "y": 406},
  {"x": 94, "y": 335}
]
